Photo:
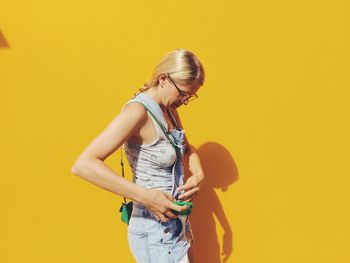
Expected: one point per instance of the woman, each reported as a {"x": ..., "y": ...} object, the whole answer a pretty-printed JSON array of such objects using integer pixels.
[{"x": 156, "y": 231}]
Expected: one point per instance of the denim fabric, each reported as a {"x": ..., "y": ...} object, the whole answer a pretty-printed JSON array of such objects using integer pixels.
[
  {"x": 178, "y": 170},
  {"x": 153, "y": 241}
]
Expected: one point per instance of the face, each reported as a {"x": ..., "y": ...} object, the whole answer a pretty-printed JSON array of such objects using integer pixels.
[{"x": 176, "y": 94}]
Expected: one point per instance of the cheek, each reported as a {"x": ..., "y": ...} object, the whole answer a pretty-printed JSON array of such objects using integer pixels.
[
  {"x": 174, "y": 95},
  {"x": 171, "y": 97}
]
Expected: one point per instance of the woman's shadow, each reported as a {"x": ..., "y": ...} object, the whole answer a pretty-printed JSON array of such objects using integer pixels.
[
  {"x": 3, "y": 42},
  {"x": 220, "y": 172}
]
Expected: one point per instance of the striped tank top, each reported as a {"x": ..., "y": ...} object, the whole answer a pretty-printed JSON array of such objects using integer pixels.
[{"x": 152, "y": 164}]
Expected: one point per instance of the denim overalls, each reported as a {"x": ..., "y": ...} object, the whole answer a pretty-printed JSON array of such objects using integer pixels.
[{"x": 151, "y": 240}]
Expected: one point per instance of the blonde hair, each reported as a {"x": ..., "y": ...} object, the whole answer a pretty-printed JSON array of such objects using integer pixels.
[{"x": 182, "y": 65}]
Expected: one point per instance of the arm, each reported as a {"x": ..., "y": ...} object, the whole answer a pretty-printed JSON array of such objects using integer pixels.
[
  {"x": 90, "y": 166},
  {"x": 194, "y": 162}
]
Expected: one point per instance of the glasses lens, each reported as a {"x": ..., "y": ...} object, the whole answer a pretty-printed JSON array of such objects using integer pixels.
[{"x": 185, "y": 101}]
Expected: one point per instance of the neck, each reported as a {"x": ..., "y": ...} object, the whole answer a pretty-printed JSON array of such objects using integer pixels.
[{"x": 153, "y": 93}]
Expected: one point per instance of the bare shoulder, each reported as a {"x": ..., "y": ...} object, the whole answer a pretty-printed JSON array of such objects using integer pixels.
[
  {"x": 135, "y": 109},
  {"x": 135, "y": 115}
]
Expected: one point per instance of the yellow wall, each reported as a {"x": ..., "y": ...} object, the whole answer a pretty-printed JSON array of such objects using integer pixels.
[{"x": 272, "y": 124}]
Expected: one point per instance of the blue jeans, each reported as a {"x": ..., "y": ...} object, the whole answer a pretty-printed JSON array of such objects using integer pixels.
[{"x": 153, "y": 241}]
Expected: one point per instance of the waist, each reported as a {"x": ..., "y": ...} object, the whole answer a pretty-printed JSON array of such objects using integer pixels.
[
  {"x": 161, "y": 184},
  {"x": 139, "y": 210}
]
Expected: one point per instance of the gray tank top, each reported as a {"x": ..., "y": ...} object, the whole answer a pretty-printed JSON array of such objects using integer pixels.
[{"x": 152, "y": 164}]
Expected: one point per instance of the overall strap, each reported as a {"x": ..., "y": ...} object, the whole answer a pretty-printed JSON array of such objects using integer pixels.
[{"x": 178, "y": 153}]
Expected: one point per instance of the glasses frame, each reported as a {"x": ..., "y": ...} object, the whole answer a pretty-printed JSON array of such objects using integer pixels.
[{"x": 183, "y": 93}]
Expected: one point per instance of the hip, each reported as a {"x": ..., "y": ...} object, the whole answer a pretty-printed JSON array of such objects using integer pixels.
[{"x": 147, "y": 236}]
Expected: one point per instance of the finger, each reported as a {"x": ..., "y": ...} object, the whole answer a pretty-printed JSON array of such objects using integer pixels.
[
  {"x": 178, "y": 208},
  {"x": 189, "y": 193},
  {"x": 190, "y": 198},
  {"x": 185, "y": 187},
  {"x": 157, "y": 217},
  {"x": 155, "y": 214},
  {"x": 169, "y": 196},
  {"x": 170, "y": 214},
  {"x": 163, "y": 218}
]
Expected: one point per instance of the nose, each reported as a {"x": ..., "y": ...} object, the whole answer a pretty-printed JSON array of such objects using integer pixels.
[{"x": 185, "y": 101}]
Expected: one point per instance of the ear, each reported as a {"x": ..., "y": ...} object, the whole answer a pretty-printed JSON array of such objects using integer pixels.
[{"x": 162, "y": 78}]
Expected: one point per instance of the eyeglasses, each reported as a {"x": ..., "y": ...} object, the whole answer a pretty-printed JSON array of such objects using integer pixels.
[{"x": 185, "y": 96}]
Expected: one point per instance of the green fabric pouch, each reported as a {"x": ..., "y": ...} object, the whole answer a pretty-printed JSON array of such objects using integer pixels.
[{"x": 125, "y": 210}]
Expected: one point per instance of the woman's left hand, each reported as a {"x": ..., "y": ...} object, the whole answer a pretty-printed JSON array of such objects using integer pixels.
[{"x": 191, "y": 187}]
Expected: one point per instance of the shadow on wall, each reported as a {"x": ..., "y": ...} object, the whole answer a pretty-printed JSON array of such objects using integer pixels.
[
  {"x": 3, "y": 42},
  {"x": 220, "y": 172}
]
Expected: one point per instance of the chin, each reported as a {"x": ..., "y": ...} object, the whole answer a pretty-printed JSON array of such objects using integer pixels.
[{"x": 176, "y": 104}]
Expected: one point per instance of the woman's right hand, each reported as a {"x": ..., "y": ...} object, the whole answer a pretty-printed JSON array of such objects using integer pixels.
[{"x": 160, "y": 203}]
